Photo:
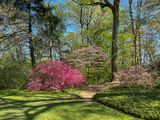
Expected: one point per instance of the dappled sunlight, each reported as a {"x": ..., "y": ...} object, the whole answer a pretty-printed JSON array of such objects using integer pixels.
[
  {"x": 144, "y": 103},
  {"x": 55, "y": 107},
  {"x": 79, "y": 59}
]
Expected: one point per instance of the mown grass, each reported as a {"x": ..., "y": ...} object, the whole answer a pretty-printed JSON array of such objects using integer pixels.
[
  {"x": 144, "y": 103},
  {"x": 22, "y": 105}
]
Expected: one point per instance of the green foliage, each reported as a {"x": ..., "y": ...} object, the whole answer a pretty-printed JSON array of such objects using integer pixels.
[
  {"x": 22, "y": 105},
  {"x": 13, "y": 74},
  {"x": 155, "y": 75},
  {"x": 97, "y": 75},
  {"x": 92, "y": 61},
  {"x": 155, "y": 65},
  {"x": 137, "y": 101}
]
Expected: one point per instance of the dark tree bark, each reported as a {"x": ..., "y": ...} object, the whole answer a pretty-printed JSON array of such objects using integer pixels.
[
  {"x": 51, "y": 50},
  {"x": 59, "y": 49},
  {"x": 114, "y": 54},
  {"x": 81, "y": 22},
  {"x": 50, "y": 44},
  {"x": 31, "y": 44},
  {"x": 115, "y": 11}
]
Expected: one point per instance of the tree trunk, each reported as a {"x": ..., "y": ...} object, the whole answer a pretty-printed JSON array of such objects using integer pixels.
[
  {"x": 51, "y": 53},
  {"x": 135, "y": 25},
  {"x": 59, "y": 48},
  {"x": 115, "y": 11},
  {"x": 139, "y": 11},
  {"x": 31, "y": 44},
  {"x": 135, "y": 50},
  {"x": 134, "y": 32},
  {"x": 81, "y": 23},
  {"x": 140, "y": 50}
]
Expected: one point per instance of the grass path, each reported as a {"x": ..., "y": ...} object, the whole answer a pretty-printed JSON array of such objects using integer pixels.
[{"x": 20, "y": 105}]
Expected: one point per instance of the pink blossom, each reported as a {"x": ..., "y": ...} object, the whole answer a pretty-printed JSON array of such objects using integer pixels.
[{"x": 54, "y": 75}]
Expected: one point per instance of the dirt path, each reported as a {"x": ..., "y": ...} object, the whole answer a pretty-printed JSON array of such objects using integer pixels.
[{"x": 89, "y": 92}]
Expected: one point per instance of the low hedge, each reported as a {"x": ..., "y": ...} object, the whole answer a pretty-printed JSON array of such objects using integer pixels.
[{"x": 142, "y": 103}]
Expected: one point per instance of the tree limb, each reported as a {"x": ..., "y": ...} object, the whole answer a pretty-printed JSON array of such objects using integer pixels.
[{"x": 106, "y": 4}]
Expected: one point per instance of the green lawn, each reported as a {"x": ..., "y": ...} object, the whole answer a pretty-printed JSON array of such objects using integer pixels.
[
  {"x": 144, "y": 103},
  {"x": 22, "y": 105}
]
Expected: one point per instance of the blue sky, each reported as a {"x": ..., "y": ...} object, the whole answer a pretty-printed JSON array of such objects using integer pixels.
[{"x": 123, "y": 3}]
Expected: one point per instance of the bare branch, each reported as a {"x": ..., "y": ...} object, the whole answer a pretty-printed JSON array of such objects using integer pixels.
[{"x": 106, "y": 4}]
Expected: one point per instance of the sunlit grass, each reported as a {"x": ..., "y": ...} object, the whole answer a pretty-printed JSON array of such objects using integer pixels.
[{"x": 22, "y": 105}]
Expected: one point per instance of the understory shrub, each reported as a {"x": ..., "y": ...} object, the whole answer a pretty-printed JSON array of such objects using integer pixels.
[
  {"x": 135, "y": 76},
  {"x": 155, "y": 75},
  {"x": 155, "y": 65},
  {"x": 13, "y": 73},
  {"x": 54, "y": 75},
  {"x": 92, "y": 61}
]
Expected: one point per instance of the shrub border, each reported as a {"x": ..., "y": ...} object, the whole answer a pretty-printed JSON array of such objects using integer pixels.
[{"x": 121, "y": 109}]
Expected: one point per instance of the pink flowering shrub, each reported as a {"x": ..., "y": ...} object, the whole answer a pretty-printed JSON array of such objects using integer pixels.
[
  {"x": 54, "y": 75},
  {"x": 135, "y": 76},
  {"x": 89, "y": 56}
]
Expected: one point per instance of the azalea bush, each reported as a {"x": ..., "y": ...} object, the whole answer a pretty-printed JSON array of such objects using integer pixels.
[
  {"x": 135, "y": 76},
  {"x": 54, "y": 75}
]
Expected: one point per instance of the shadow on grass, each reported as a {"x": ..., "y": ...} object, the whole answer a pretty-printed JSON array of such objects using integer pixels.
[
  {"x": 20, "y": 106},
  {"x": 31, "y": 108},
  {"x": 142, "y": 103},
  {"x": 145, "y": 94}
]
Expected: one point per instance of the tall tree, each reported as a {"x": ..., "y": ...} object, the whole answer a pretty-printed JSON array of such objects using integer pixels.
[
  {"x": 30, "y": 32},
  {"x": 32, "y": 12},
  {"x": 114, "y": 7},
  {"x": 136, "y": 24}
]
